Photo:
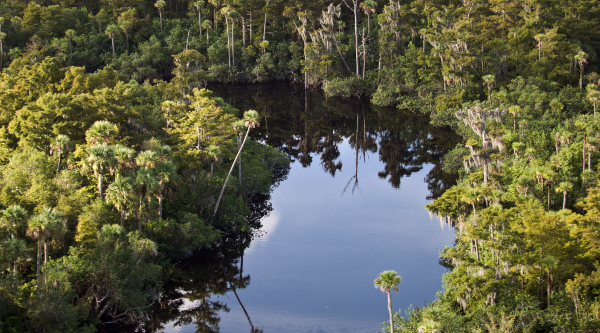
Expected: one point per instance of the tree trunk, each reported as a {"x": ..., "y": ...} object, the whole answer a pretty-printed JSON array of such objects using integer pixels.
[
  {"x": 123, "y": 213},
  {"x": 230, "y": 170},
  {"x": 583, "y": 152},
  {"x": 39, "y": 259},
  {"x": 113, "y": 45},
  {"x": 486, "y": 172},
  {"x": 232, "y": 44},
  {"x": 244, "y": 30},
  {"x": 477, "y": 249},
  {"x": 160, "y": 202},
  {"x": 58, "y": 167},
  {"x": 548, "y": 197},
  {"x": 265, "y": 27},
  {"x": 564, "y": 199},
  {"x": 100, "y": 186},
  {"x": 239, "y": 140},
  {"x": 228, "y": 48},
  {"x": 45, "y": 251},
  {"x": 356, "y": 36},
  {"x": 580, "y": 76},
  {"x": 200, "y": 21},
  {"x": 390, "y": 310},
  {"x": 548, "y": 288},
  {"x": 515, "y": 125},
  {"x": 251, "y": 18}
]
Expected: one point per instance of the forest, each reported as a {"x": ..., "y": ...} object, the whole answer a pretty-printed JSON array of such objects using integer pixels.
[{"x": 114, "y": 156}]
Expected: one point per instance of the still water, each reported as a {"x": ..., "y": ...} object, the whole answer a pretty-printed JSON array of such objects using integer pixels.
[{"x": 350, "y": 207}]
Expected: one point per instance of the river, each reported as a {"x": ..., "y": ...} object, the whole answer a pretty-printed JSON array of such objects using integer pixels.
[{"x": 350, "y": 207}]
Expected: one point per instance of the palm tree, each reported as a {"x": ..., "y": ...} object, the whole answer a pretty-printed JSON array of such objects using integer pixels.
[
  {"x": 549, "y": 264},
  {"x": 251, "y": 120},
  {"x": 147, "y": 159},
  {"x": 429, "y": 326},
  {"x": 101, "y": 132},
  {"x": 564, "y": 187},
  {"x": 539, "y": 38},
  {"x": 70, "y": 34},
  {"x": 199, "y": 4},
  {"x": 16, "y": 251},
  {"x": 2, "y": 37},
  {"x": 225, "y": 11},
  {"x": 124, "y": 158},
  {"x": 489, "y": 80},
  {"x": 581, "y": 58},
  {"x": 515, "y": 110},
  {"x": 472, "y": 196},
  {"x": 59, "y": 145},
  {"x": 112, "y": 30},
  {"x": 120, "y": 194},
  {"x": 146, "y": 183},
  {"x": 100, "y": 159},
  {"x": 265, "y": 22},
  {"x": 208, "y": 26},
  {"x": 386, "y": 282},
  {"x": 42, "y": 226},
  {"x": 369, "y": 7},
  {"x": 594, "y": 96},
  {"x": 212, "y": 154},
  {"x": 14, "y": 220},
  {"x": 233, "y": 15},
  {"x": 160, "y": 4},
  {"x": 166, "y": 172}
]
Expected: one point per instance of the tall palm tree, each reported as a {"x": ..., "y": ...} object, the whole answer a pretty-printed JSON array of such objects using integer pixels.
[
  {"x": 564, "y": 187},
  {"x": 212, "y": 154},
  {"x": 472, "y": 197},
  {"x": 124, "y": 158},
  {"x": 208, "y": 26},
  {"x": 101, "y": 132},
  {"x": 147, "y": 183},
  {"x": 14, "y": 220},
  {"x": 489, "y": 80},
  {"x": 2, "y": 37},
  {"x": 166, "y": 173},
  {"x": 594, "y": 96},
  {"x": 199, "y": 4},
  {"x": 126, "y": 26},
  {"x": 147, "y": 159},
  {"x": 120, "y": 195},
  {"x": 549, "y": 264},
  {"x": 16, "y": 251},
  {"x": 70, "y": 34},
  {"x": 59, "y": 145},
  {"x": 515, "y": 110},
  {"x": 540, "y": 39},
  {"x": 42, "y": 226},
  {"x": 225, "y": 11},
  {"x": 369, "y": 7},
  {"x": 387, "y": 282},
  {"x": 251, "y": 120},
  {"x": 100, "y": 160},
  {"x": 112, "y": 31},
  {"x": 160, "y": 4},
  {"x": 234, "y": 16},
  {"x": 581, "y": 59}
]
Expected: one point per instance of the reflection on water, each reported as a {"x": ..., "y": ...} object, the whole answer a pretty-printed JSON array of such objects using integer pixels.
[{"x": 348, "y": 210}]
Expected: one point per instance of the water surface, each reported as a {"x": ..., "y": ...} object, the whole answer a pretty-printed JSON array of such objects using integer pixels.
[{"x": 350, "y": 208}]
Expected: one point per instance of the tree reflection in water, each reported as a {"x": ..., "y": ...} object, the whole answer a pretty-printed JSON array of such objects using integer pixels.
[{"x": 302, "y": 126}]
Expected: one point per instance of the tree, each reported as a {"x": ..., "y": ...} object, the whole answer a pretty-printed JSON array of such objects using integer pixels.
[
  {"x": 564, "y": 187},
  {"x": 489, "y": 80},
  {"x": 120, "y": 195},
  {"x": 369, "y": 7},
  {"x": 101, "y": 132},
  {"x": 208, "y": 26},
  {"x": 549, "y": 264},
  {"x": 42, "y": 226},
  {"x": 251, "y": 120},
  {"x": 354, "y": 10},
  {"x": 166, "y": 172},
  {"x": 99, "y": 159},
  {"x": 540, "y": 39},
  {"x": 581, "y": 59},
  {"x": 212, "y": 154},
  {"x": 124, "y": 158},
  {"x": 2, "y": 37},
  {"x": 387, "y": 282},
  {"x": 112, "y": 31},
  {"x": 160, "y": 4},
  {"x": 198, "y": 5},
  {"x": 70, "y": 34},
  {"x": 238, "y": 127},
  {"x": 225, "y": 11},
  {"x": 15, "y": 251},
  {"x": 265, "y": 21},
  {"x": 14, "y": 220},
  {"x": 515, "y": 110},
  {"x": 60, "y": 144},
  {"x": 233, "y": 15},
  {"x": 594, "y": 96}
]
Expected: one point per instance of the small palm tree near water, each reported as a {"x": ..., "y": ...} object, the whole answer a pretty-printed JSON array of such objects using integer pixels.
[{"x": 387, "y": 282}]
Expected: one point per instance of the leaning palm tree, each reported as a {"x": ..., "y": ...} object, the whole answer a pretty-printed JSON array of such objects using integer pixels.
[
  {"x": 100, "y": 160},
  {"x": 120, "y": 195},
  {"x": 14, "y": 220},
  {"x": 564, "y": 187},
  {"x": 212, "y": 154},
  {"x": 238, "y": 127},
  {"x": 101, "y": 132},
  {"x": 387, "y": 282},
  {"x": 59, "y": 145},
  {"x": 41, "y": 227},
  {"x": 251, "y": 120}
]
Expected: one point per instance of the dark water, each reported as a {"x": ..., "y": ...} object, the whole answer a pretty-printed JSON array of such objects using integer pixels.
[{"x": 350, "y": 208}]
